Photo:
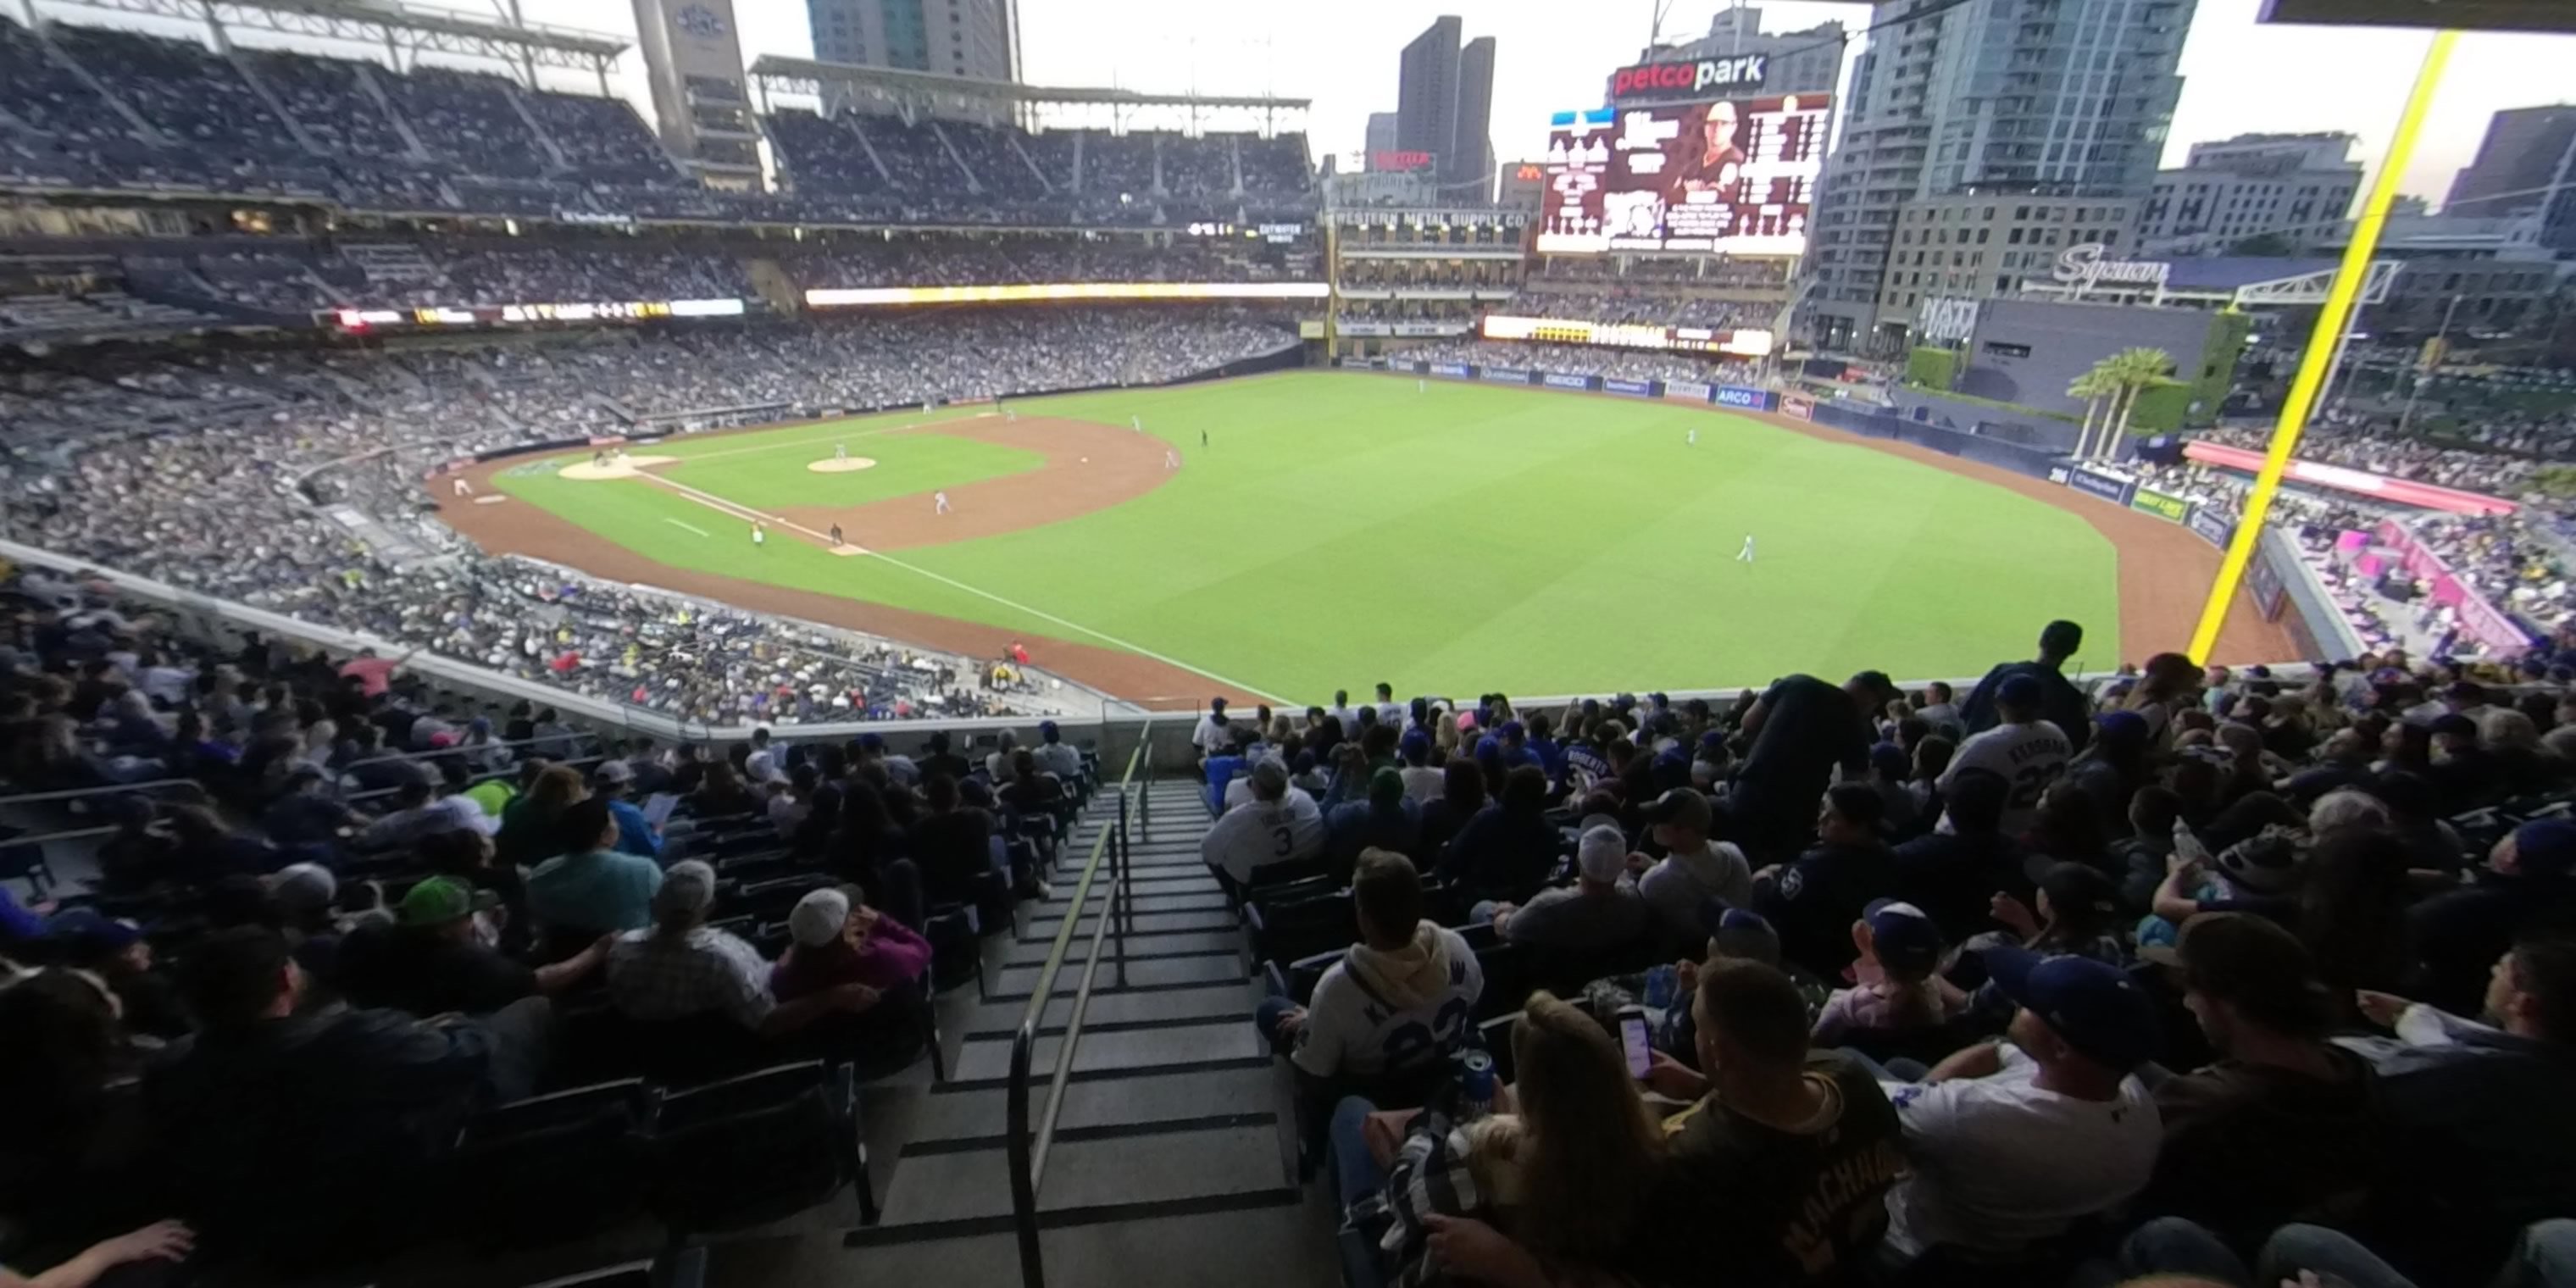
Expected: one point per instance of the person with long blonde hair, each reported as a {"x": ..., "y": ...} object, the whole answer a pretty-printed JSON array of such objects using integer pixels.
[{"x": 1569, "y": 1171}]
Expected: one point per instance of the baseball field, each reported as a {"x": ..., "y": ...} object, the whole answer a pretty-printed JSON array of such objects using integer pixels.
[{"x": 1287, "y": 535}]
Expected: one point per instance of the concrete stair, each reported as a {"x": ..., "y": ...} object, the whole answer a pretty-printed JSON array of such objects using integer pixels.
[{"x": 1171, "y": 1163}]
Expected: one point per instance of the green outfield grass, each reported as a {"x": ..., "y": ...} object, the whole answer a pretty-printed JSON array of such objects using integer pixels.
[{"x": 1342, "y": 529}]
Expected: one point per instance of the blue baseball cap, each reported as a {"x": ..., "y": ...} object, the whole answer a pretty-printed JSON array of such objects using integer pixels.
[
  {"x": 1511, "y": 729},
  {"x": 871, "y": 742},
  {"x": 2021, "y": 691},
  {"x": 1046, "y": 730},
  {"x": 2094, "y": 1006},
  {"x": 86, "y": 930},
  {"x": 1902, "y": 936},
  {"x": 1890, "y": 759},
  {"x": 1415, "y": 739},
  {"x": 1488, "y": 747},
  {"x": 2545, "y": 847},
  {"x": 2122, "y": 729}
]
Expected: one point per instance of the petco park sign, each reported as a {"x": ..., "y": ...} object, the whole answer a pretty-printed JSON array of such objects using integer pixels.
[
  {"x": 2082, "y": 267},
  {"x": 1682, "y": 80}
]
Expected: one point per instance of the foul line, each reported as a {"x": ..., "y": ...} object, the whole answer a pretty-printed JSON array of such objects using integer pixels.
[
  {"x": 740, "y": 511},
  {"x": 690, "y": 526}
]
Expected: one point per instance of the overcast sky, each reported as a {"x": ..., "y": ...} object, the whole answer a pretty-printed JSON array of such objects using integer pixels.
[{"x": 2240, "y": 75}]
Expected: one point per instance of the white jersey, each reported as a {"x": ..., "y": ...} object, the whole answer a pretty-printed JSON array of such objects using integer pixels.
[
  {"x": 1260, "y": 833},
  {"x": 1214, "y": 736},
  {"x": 1347, "y": 1031},
  {"x": 2028, "y": 756},
  {"x": 1999, "y": 1163}
]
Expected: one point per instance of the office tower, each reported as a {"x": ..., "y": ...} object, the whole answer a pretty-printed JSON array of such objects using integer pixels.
[
  {"x": 2295, "y": 188},
  {"x": 1444, "y": 106},
  {"x": 1995, "y": 96},
  {"x": 975, "y": 39}
]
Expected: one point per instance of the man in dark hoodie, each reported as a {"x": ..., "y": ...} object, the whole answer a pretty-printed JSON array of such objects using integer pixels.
[
  {"x": 2285, "y": 1126},
  {"x": 2529, "y": 879}
]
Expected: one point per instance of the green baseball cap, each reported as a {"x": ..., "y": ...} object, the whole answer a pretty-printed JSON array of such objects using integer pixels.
[{"x": 440, "y": 900}]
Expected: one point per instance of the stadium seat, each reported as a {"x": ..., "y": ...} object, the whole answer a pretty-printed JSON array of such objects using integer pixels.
[
  {"x": 553, "y": 1167},
  {"x": 758, "y": 1147}
]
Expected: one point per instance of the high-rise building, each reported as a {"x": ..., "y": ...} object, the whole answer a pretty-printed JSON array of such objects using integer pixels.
[
  {"x": 1426, "y": 90},
  {"x": 2068, "y": 99},
  {"x": 2294, "y": 187},
  {"x": 693, "y": 65},
  {"x": 1471, "y": 140},
  {"x": 1444, "y": 105},
  {"x": 1801, "y": 62},
  {"x": 1381, "y": 133},
  {"x": 2525, "y": 165},
  {"x": 976, "y": 39}
]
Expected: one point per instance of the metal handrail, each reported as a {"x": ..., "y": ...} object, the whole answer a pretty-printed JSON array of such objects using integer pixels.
[{"x": 1028, "y": 1150}]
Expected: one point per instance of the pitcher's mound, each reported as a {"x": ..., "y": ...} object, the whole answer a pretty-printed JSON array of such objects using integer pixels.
[
  {"x": 842, "y": 464},
  {"x": 624, "y": 467}
]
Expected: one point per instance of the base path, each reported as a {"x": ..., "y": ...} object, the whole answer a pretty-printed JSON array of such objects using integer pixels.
[
  {"x": 1088, "y": 467},
  {"x": 1123, "y": 465},
  {"x": 2165, "y": 569}
]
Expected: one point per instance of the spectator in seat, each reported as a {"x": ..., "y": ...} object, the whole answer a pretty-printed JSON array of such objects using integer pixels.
[
  {"x": 953, "y": 842},
  {"x": 1600, "y": 912},
  {"x": 1398, "y": 1000},
  {"x": 1563, "y": 1176},
  {"x": 1276, "y": 826},
  {"x": 2060, "y": 702},
  {"x": 2025, "y": 747},
  {"x": 1802, "y": 730},
  {"x": 2075, "y": 911},
  {"x": 592, "y": 888},
  {"x": 635, "y": 833},
  {"x": 1508, "y": 850},
  {"x": 531, "y": 824},
  {"x": 2285, "y": 1126},
  {"x": 941, "y": 760},
  {"x": 308, "y": 814},
  {"x": 1422, "y": 783},
  {"x": 1899, "y": 948},
  {"x": 1462, "y": 795},
  {"x": 1940, "y": 711},
  {"x": 1694, "y": 869},
  {"x": 681, "y": 968},
  {"x": 2009, "y": 1144},
  {"x": 418, "y": 812},
  {"x": 118, "y": 955},
  {"x": 721, "y": 794},
  {"x": 1780, "y": 1167},
  {"x": 1054, "y": 756},
  {"x": 841, "y": 940},
  {"x": 432, "y": 960},
  {"x": 269, "y": 1122},
  {"x": 1387, "y": 820},
  {"x": 2485, "y": 1134},
  {"x": 1954, "y": 872},
  {"x": 2460, "y": 934},
  {"x": 1814, "y": 900},
  {"x": 1213, "y": 736}
]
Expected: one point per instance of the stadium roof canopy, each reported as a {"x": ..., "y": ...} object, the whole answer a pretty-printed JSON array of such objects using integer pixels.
[
  {"x": 2221, "y": 281},
  {"x": 2460, "y": 15},
  {"x": 390, "y": 24},
  {"x": 783, "y": 75}
]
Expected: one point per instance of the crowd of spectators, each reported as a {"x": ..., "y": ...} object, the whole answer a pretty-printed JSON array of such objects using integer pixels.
[
  {"x": 1645, "y": 307},
  {"x": 1577, "y": 359},
  {"x": 204, "y": 471},
  {"x": 935, "y": 260},
  {"x": 2495, "y": 455},
  {"x": 342, "y": 913},
  {"x": 2197, "y": 972}
]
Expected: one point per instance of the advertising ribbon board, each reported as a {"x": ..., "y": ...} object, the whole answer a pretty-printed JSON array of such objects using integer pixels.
[
  {"x": 2113, "y": 490},
  {"x": 2160, "y": 505},
  {"x": 1632, "y": 388}
]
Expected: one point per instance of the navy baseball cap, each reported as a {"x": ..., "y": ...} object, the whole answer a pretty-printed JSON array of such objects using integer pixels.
[
  {"x": 1415, "y": 739},
  {"x": 2094, "y": 1006},
  {"x": 1739, "y": 932},
  {"x": 1903, "y": 936},
  {"x": 871, "y": 742},
  {"x": 2545, "y": 847},
  {"x": 2020, "y": 690},
  {"x": 1046, "y": 730},
  {"x": 85, "y": 930}
]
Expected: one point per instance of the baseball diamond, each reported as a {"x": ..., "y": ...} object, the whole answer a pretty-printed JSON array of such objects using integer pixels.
[{"x": 1344, "y": 489}]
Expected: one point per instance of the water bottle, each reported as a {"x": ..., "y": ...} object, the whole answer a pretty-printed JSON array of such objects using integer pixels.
[
  {"x": 1476, "y": 1083},
  {"x": 1659, "y": 987}
]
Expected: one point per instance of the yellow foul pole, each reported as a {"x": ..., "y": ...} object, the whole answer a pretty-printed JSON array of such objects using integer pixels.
[{"x": 2331, "y": 320}]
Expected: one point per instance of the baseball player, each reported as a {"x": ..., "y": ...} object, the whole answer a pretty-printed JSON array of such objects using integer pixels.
[
  {"x": 1171, "y": 459},
  {"x": 1746, "y": 554},
  {"x": 1692, "y": 439},
  {"x": 840, "y": 451},
  {"x": 939, "y": 503},
  {"x": 836, "y": 536},
  {"x": 1422, "y": 386},
  {"x": 1202, "y": 438},
  {"x": 759, "y": 535},
  {"x": 463, "y": 488},
  {"x": 1138, "y": 422}
]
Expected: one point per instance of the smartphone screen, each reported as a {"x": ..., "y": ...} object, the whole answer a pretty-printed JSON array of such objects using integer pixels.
[{"x": 1632, "y": 1039}]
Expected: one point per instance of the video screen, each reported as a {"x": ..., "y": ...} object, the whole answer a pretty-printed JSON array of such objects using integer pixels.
[{"x": 1734, "y": 177}]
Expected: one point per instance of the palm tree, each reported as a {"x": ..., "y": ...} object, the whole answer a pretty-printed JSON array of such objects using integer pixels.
[
  {"x": 2131, "y": 372},
  {"x": 2093, "y": 387}
]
